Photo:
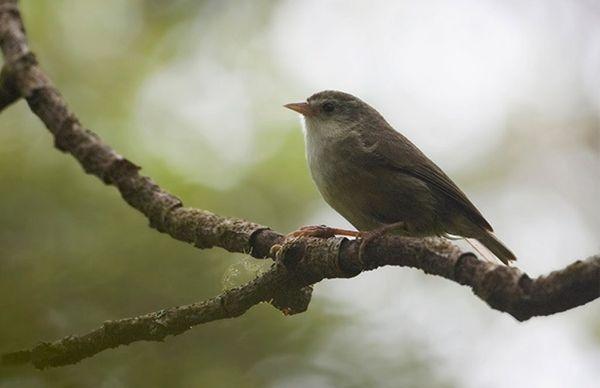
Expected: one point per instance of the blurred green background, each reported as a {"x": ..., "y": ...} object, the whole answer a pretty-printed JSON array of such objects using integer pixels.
[{"x": 192, "y": 91}]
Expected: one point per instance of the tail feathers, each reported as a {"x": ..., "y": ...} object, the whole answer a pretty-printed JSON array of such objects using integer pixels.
[
  {"x": 485, "y": 253},
  {"x": 492, "y": 243}
]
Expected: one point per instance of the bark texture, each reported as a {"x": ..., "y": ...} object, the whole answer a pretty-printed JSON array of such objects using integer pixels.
[{"x": 298, "y": 263}]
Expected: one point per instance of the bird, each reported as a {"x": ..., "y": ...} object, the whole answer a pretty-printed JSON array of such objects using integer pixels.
[{"x": 379, "y": 180}]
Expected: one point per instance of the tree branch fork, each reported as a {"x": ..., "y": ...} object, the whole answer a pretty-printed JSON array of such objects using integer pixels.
[{"x": 298, "y": 263}]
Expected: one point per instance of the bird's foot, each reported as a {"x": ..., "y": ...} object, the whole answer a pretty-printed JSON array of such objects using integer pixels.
[
  {"x": 321, "y": 231},
  {"x": 368, "y": 237},
  {"x": 317, "y": 231}
]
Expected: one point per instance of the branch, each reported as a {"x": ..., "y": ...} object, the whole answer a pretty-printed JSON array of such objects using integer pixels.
[
  {"x": 299, "y": 263},
  {"x": 304, "y": 262},
  {"x": 164, "y": 211},
  {"x": 8, "y": 89}
]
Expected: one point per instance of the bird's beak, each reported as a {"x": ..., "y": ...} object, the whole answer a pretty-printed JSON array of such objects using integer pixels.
[{"x": 301, "y": 107}]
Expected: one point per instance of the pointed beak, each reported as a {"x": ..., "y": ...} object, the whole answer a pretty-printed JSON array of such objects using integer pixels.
[{"x": 301, "y": 107}]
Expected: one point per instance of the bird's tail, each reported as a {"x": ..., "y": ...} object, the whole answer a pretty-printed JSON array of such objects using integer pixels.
[{"x": 492, "y": 243}]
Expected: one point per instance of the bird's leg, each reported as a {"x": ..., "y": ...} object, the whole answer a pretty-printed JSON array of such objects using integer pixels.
[
  {"x": 371, "y": 235},
  {"x": 321, "y": 231}
]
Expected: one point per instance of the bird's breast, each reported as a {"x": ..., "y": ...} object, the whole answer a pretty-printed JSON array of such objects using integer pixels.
[{"x": 341, "y": 179}]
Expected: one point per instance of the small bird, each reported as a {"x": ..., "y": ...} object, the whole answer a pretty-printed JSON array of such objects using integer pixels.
[{"x": 378, "y": 180}]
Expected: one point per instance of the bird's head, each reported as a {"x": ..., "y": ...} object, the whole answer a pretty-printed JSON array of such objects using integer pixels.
[{"x": 328, "y": 113}]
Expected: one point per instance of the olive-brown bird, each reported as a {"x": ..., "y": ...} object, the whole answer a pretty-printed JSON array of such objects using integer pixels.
[{"x": 378, "y": 180}]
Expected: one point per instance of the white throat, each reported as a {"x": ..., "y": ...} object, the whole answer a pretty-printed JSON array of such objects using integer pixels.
[
  {"x": 318, "y": 134},
  {"x": 319, "y": 131}
]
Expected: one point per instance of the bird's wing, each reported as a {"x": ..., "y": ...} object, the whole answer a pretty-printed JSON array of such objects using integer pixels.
[{"x": 395, "y": 151}]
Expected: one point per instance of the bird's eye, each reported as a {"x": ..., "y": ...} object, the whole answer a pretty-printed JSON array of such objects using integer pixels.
[{"x": 328, "y": 107}]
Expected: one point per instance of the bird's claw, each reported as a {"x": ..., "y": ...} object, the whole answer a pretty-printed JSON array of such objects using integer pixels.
[
  {"x": 318, "y": 231},
  {"x": 315, "y": 231}
]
